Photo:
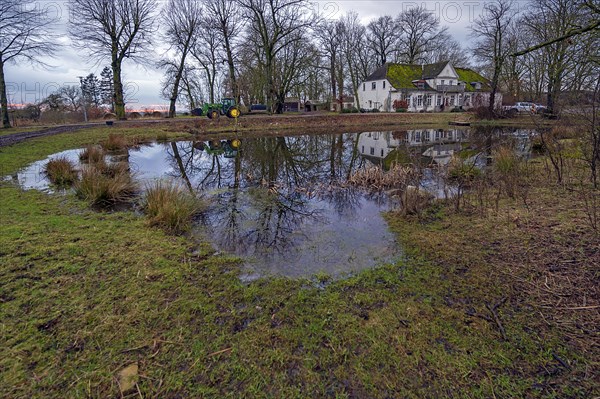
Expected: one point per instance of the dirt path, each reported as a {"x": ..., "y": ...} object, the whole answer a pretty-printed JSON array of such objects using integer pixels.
[{"x": 15, "y": 138}]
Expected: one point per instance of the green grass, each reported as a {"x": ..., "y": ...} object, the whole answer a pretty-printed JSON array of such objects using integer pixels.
[
  {"x": 83, "y": 294},
  {"x": 170, "y": 206}
]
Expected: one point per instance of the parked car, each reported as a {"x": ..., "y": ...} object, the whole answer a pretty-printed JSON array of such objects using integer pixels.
[{"x": 525, "y": 107}]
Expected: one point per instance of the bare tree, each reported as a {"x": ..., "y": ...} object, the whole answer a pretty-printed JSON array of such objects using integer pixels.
[
  {"x": 491, "y": 32},
  {"x": 118, "y": 29},
  {"x": 420, "y": 32},
  {"x": 183, "y": 20},
  {"x": 25, "y": 35},
  {"x": 353, "y": 42},
  {"x": 227, "y": 22},
  {"x": 383, "y": 35},
  {"x": 209, "y": 54},
  {"x": 328, "y": 33},
  {"x": 276, "y": 24},
  {"x": 592, "y": 25},
  {"x": 550, "y": 19}
]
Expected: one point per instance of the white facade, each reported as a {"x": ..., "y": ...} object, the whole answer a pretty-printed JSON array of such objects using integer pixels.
[{"x": 442, "y": 92}]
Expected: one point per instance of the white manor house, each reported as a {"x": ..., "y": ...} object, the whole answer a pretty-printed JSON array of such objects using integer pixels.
[{"x": 424, "y": 88}]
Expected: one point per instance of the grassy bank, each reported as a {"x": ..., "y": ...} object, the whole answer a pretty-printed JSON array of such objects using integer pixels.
[{"x": 85, "y": 294}]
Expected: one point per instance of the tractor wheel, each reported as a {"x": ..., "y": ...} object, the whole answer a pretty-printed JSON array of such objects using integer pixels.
[
  {"x": 212, "y": 113},
  {"x": 233, "y": 112}
]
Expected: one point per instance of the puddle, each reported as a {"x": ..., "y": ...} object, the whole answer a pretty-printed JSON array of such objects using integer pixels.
[{"x": 282, "y": 203}]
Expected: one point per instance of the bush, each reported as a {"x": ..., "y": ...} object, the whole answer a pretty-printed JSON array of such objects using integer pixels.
[
  {"x": 101, "y": 189},
  {"x": 109, "y": 115},
  {"x": 61, "y": 171},
  {"x": 170, "y": 206},
  {"x": 375, "y": 110},
  {"x": 115, "y": 142},
  {"x": 92, "y": 154},
  {"x": 400, "y": 109},
  {"x": 400, "y": 104},
  {"x": 457, "y": 109},
  {"x": 134, "y": 115}
]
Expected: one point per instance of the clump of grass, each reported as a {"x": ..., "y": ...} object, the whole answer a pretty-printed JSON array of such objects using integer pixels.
[
  {"x": 103, "y": 189},
  {"x": 61, "y": 171},
  {"x": 374, "y": 178},
  {"x": 92, "y": 154},
  {"x": 170, "y": 206},
  {"x": 162, "y": 136},
  {"x": 115, "y": 142}
]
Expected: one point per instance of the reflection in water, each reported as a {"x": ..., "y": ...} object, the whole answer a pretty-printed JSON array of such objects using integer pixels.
[{"x": 283, "y": 202}]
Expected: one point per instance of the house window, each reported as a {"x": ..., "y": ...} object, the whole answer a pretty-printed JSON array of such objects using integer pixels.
[
  {"x": 428, "y": 100},
  {"x": 419, "y": 100},
  {"x": 372, "y": 150},
  {"x": 364, "y": 86},
  {"x": 438, "y": 100},
  {"x": 374, "y": 86},
  {"x": 370, "y": 104},
  {"x": 362, "y": 150},
  {"x": 452, "y": 100},
  {"x": 384, "y": 84},
  {"x": 467, "y": 100},
  {"x": 443, "y": 82},
  {"x": 426, "y": 136},
  {"x": 382, "y": 152}
]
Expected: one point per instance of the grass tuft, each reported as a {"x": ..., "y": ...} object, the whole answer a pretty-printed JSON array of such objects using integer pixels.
[
  {"x": 92, "y": 154},
  {"x": 115, "y": 142},
  {"x": 170, "y": 206},
  {"x": 61, "y": 171},
  {"x": 102, "y": 189}
]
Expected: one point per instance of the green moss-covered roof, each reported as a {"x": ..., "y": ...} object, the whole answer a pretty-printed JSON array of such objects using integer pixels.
[
  {"x": 468, "y": 76},
  {"x": 401, "y": 76}
]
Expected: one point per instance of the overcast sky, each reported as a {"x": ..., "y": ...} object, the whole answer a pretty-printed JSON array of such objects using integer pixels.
[{"x": 26, "y": 84}]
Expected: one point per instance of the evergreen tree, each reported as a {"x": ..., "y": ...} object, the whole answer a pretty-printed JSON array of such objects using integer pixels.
[
  {"x": 107, "y": 88},
  {"x": 90, "y": 86}
]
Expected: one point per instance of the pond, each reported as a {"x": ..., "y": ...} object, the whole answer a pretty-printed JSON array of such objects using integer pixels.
[{"x": 284, "y": 203}]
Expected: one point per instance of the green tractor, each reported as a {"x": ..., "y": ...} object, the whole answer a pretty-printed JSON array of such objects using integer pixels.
[{"x": 227, "y": 106}]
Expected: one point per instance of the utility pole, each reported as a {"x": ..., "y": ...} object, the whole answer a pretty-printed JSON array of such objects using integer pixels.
[{"x": 82, "y": 98}]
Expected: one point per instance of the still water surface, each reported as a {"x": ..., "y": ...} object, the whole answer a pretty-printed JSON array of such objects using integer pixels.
[{"x": 282, "y": 203}]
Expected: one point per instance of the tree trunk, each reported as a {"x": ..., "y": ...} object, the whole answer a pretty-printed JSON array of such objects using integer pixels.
[
  {"x": 118, "y": 87},
  {"x": 175, "y": 92},
  {"x": 3, "y": 99},
  {"x": 234, "y": 89}
]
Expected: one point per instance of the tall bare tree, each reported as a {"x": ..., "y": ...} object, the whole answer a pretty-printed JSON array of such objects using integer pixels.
[
  {"x": 491, "y": 32},
  {"x": 328, "y": 33},
  {"x": 25, "y": 35},
  {"x": 383, "y": 35},
  {"x": 353, "y": 42},
  {"x": 183, "y": 19},
  {"x": 209, "y": 54},
  {"x": 420, "y": 32},
  {"x": 119, "y": 29},
  {"x": 276, "y": 24},
  {"x": 227, "y": 22},
  {"x": 549, "y": 19}
]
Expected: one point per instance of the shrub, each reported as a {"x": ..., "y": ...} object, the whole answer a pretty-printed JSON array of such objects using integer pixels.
[
  {"x": 157, "y": 114},
  {"x": 61, "y": 171},
  {"x": 134, "y": 115},
  {"x": 400, "y": 104},
  {"x": 162, "y": 136},
  {"x": 400, "y": 109},
  {"x": 92, "y": 154},
  {"x": 170, "y": 206},
  {"x": 375, "y": 110},
  {"x": 109, "y": 115},
  {"x": 102, "y": 189},
  {"x": 115, "y": 142}
]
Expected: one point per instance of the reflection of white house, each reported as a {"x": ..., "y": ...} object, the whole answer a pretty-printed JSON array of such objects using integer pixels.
[
  {"x": 432, "y": 87},
  {"x": 379, "y": 144}
]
